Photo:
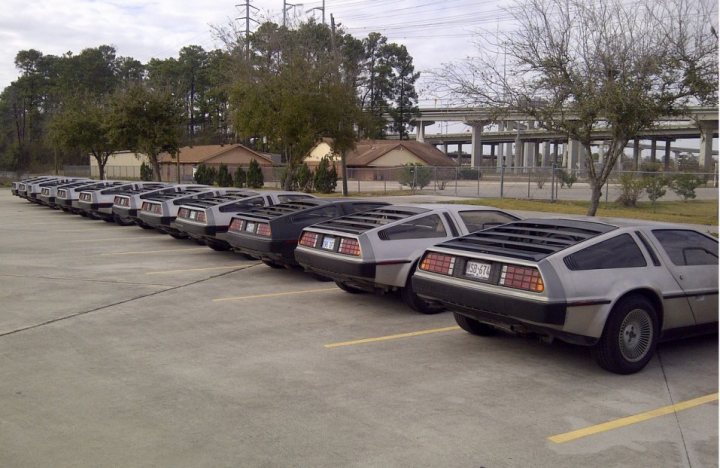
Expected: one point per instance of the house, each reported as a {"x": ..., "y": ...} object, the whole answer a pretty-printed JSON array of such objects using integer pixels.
[
  {"x": 380, "y": 159},
  {"x": 190, "y": 157}
]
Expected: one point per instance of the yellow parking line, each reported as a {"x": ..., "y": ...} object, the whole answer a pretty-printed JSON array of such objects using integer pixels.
[
  {"x": 115, "y": 238},
  {"x": 165, "y": 272},
  {"x": 622, "y": 422},
  {"x": 260, "y": 296},
  {"x": 392, "y": 337},
  {"x": 192, "y": 249}
]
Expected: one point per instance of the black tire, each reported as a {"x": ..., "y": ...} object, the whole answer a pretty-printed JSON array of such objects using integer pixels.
[
  {"x": 143, "y": 225},
  {"x": 178, "y": 236},
  {"x": 416, "y": 303},
  {"x": 630, "y": 336},
  {"x": 349, "y": 289},
  {"x": 473, "y": 326},
  {"x": 218, "y": 246},
  {"x": 321, "y": 278},
  {"x": 272, "y": 264},
  {"x": 108, "y": 220}
]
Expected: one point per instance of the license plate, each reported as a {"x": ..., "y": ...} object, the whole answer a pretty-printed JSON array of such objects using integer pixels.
[
  {"x": 250, "y": 227},
  {"x": 478, "y": 270},
  {"x": 193, "y": 215},
  {"x": 328, "y": 243}
]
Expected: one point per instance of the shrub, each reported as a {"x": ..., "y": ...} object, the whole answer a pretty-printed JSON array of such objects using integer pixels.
[
  {"x": 415, "y": 176},
  {"x": 146, "y": 172},
  {"x": 240, "y": 177},
  {"x": 254, "y": 175},
  {"x": 684, "y": 185},
  {"x": 304, "y": 178},
  {"x": 224, "y": 179},
  {"x": 326, "y": 177},
  {"x": 566, "y": 178},
  {"x": 470, "y": 173},
  {"x": 631, "y": 189},
  {"x": 655, "y": 187},
  {"x": 205, "y": 175}
]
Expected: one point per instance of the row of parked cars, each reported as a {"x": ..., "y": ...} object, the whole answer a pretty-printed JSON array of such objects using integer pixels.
[{"x": 619, "y": 287}]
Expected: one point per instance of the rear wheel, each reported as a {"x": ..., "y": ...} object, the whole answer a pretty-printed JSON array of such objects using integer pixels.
[
  {"x": 272, "y": 264},
  {"x": 143, "y": 225},
  {"x": 178, "y": 236},
  {"x": 473, "y": 326},
  {"x": 219, "y": 246},
  {"x": 630, "y": 336},
  {"x": 349, "y": 289}
]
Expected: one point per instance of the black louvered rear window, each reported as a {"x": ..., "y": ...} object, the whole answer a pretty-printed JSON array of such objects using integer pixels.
[
  {"x": 172, "y": 195},
  {"x": 136, "y": 190},
  {"x": 529, "y": 239},
  {"x": 282, "y": 209},
  {"x": 360, "y": 222},
  {"x": 217, "y": 200}
]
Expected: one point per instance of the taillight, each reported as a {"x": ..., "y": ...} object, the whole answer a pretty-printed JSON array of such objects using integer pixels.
[
  {"x": 85, "y": 197},
  {"x": 157, "y": 209},
  {"x": 183, "y": 213},
  {"x": 236, "y": 224},
  {"x": 349, "y": 247},
  {"x": 438, "y": 263},
  {"x": 263, "y": 229},
  {"x": 201, "y": 218},
  {"x": 309, "y": 239},
  {"x": 117, "y": 201},
  {"x": 519, "y": 277},
  {"x": 62, "y": 193},
  {"x": 145, "y": 206}
]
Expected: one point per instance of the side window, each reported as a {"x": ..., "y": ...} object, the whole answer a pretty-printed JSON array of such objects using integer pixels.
[
  {"x": 618, "y": 252},
  {"x": 422, "y": 228},
  {"x": 477, "y": 220},
  {"x": 316, "y": 215},
  {"x": 687, "y": 247}
]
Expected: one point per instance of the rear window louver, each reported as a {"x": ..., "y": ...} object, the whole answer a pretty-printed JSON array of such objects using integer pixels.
[
  {"x": 172, "y": 195},
  {"x": 529, "y": 240},
  {"x": 276, "y": 211},
  {"x": 214, "y": 201},
  {"x": 367, "y": 220}
]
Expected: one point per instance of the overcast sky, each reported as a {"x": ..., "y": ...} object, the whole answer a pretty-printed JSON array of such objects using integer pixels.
[{"x": 433, "y": 31}]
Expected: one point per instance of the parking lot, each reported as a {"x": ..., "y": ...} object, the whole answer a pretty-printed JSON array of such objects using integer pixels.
[{"x": 125, "y": 347}]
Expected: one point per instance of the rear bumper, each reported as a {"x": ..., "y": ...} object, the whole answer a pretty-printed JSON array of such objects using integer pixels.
[
  {"x": 126, "y": 214},
  {"x": 282, "y": 251},
  {"x": 360, "y": 272},
  {"x": 156, "y": 221},
  {"x": 194, "y": 230}
]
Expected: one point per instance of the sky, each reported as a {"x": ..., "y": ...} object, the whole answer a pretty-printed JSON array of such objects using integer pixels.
[{"x": 434, "y": 32}]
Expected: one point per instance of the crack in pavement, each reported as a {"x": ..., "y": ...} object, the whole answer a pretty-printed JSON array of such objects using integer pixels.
[
  {"x": 125, "y": 301},
  {"x": 87, "y": 280}
]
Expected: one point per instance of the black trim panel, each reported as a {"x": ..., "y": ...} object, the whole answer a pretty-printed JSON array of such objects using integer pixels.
[
  {"x": 336, "y": 268},
  {"x": 713, "y": 292}
]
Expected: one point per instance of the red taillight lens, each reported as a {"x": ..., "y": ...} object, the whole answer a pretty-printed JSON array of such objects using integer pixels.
[
  {"x": 520, "y": 277},
  {"x": 309, "y": 239},
  {"x": 117, "y": 201},
  {"x": 201, "y": 218},
  {"x": 62, "y": 193},
  {"x": 349, "y": 247},
  {"x": 236, "y": 225},
  {"x": 155, "y": 208},
  {"x": 438, "y": 263},
  {"x": 85, "y": 196},
  {"x": 183, "y": 213},
  {"x": 263, "y": 229}
]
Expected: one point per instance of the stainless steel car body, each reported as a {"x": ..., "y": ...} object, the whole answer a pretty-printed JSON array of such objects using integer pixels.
[
  {"x": 385, "y": 263},
  {"x": 64, "y": 196},
  {"x": 100, "y": 203},
  {"x": 575, "y": 301},
  {"x": 88, "y": 200},
  {"x": 204, "y": 218},
  {"x": 30, "y": 189},
  {"x": 127, "y": 204},
  {"x": 19, "y": 188},
  {"x": 49, "y": 192}
]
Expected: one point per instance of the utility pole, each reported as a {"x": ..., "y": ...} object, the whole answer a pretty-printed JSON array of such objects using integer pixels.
[
  {"x": 320, "y": 8},
  {"x": 286, "y": 7},
  {"x": 247, "y": 19}
]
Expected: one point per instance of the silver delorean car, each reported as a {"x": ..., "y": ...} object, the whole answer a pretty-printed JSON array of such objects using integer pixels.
[
  {"x": 616, "y": 286},
  {"x": 377, "y": 250}
]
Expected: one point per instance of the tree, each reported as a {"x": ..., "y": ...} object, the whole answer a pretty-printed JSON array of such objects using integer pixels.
[
  {"x": 575, "y": 66},
  {"x": 224, "y": 178},
  {"x": 415, "y": 176},
  {"x": 255, "y": 177},
  {"x": 240, "y": 177},
  {"x": 325, "y": 178},
  {"x": 304, "y": 178},
  {"x": 147, "y": 121},
  {"x": 403, "y": 80}
]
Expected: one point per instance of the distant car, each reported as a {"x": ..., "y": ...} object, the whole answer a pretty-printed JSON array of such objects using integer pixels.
[
  {"x": 127, "y": 203},
  {"x": 205, "y": 219},
  {"x": 160, "y": 210},
  {"x": 69, "y": 193},
  {"x": 48, "y": 192},
  {"x": 31, "y": 189},
  {"x": 19, "y": 188},
  {"x": 618, "y": 287},
  {"x": 379, "y": 249},
  {"x": 271, "y": 233},
  {"x": 94, "y": 201}
]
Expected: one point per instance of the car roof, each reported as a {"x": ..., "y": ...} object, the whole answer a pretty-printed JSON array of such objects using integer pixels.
[
  {"x": 375, "y": 218},
  {"x": 179, "y": 194},
  {"x": 530, "y": 239},
  {"x": 296, "y": 206}
]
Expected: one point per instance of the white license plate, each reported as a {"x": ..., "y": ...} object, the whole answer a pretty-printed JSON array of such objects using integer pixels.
[
  {"x": 250, "y": 227},
  {"x": 478, "y": 270},
  {"x": 328, "y": 243}
]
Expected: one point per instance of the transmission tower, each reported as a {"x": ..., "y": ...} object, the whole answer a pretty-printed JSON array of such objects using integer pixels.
[{"x": 247, "y": 19}]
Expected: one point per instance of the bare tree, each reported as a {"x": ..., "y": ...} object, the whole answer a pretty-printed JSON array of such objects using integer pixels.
[{"x": 576, "y": 66}]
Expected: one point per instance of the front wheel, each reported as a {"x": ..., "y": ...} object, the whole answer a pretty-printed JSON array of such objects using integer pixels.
[
  {"x": 473, "y": 326},
  {"x": 630, "y": 336}
]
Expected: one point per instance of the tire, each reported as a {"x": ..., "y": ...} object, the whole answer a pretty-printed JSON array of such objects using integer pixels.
[
  {"x": 349, "y": 289},
  {"x": 178, "y": 236},
  {"x": 144, "y": 226},
  {"x": 416, "y": 303},
  {"x": 630, "y": 336},
  {"x": 108, "y": 220},
  {"x": 319, "y": 277},
  {"x": 473, "y": 326},
  {"x": 272, "y": 264},
  {"x": 218, "y": 246}
]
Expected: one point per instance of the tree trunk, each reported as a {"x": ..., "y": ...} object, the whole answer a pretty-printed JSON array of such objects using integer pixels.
[
  {"x": 595, "y": 194},
  {"x": 156, "y": 167}
]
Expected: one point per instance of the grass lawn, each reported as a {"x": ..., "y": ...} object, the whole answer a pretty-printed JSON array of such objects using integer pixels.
[{"x": 703, "y": 212}]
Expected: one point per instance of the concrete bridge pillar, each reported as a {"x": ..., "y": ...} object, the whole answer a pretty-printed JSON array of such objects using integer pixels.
[
  {"x": 706, "y": 138},
  {"x": 476, "y": 151},
  {"x": 518, "y": 162},
  {"x": 545, "y": 154},
  {"x": 573, "y": 155},
  {"x": 653, "y": 150},
  {"x": 509, "y": 155},
  {"x": 636, "y": 154},
  {"x": 500, "y": 148},
  {"x": 666, "y": 156}
]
